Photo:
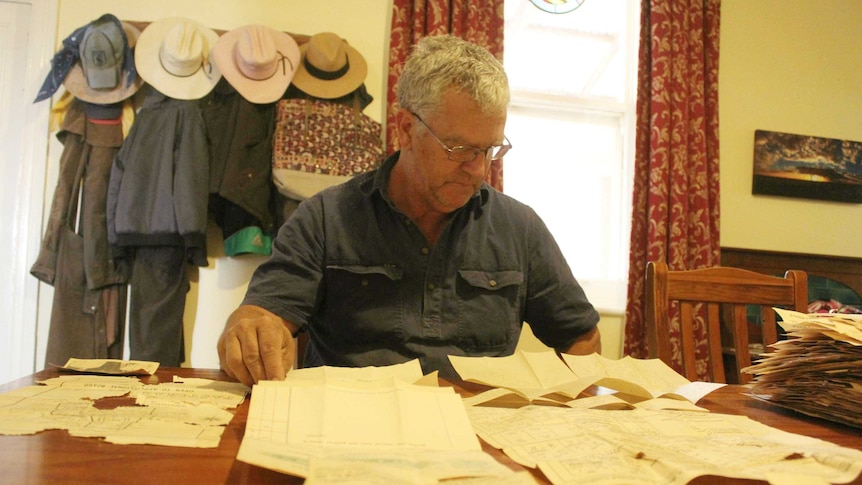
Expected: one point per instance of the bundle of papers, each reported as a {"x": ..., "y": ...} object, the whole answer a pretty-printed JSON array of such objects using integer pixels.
[{"x": 818, "y": 370}]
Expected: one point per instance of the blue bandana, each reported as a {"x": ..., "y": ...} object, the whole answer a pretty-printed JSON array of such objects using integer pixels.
[{"x": 66, "y": 57}]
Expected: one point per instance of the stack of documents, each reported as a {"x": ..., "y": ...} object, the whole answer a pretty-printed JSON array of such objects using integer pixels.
[
  {"x": 817, "y": 370},
  {"x": 365, "y": 425}
]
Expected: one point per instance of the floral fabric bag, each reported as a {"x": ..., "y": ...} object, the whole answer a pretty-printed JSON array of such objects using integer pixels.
[{"x": 319, "y": 143}]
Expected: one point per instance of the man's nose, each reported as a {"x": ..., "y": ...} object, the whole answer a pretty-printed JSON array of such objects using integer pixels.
[{"x": 478, "y": 166}]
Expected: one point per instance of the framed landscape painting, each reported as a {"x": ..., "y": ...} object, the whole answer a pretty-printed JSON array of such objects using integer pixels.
[{"x": 807, "y": 167}]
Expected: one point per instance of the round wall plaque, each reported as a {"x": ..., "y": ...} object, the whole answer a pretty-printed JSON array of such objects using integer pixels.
[{"x": 557, "y": 6}]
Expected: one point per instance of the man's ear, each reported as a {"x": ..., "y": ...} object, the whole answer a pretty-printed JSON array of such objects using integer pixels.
[{"x": 404, "y": 120}]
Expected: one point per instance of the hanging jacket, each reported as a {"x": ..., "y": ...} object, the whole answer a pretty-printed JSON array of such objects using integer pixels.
[{"x": 159, "y": 181}]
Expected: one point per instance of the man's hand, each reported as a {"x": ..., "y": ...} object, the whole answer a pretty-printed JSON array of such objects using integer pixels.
[
  {"x": 256, "y": 345},
  {"x": 587, "y": 343}
]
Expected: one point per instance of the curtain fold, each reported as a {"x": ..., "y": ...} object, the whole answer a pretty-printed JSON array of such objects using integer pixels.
[
  {"x": 479, "y": 21},
  {"x": 675, "y": 216}
]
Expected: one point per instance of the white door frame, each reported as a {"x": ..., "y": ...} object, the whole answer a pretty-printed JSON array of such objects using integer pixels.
[{"x": 24, "y": 230}]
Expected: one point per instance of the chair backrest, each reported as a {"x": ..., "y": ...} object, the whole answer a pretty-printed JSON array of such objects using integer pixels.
[{"x": 725, "y": 294}]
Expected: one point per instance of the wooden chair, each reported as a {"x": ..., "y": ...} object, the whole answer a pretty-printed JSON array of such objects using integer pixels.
[{"x": 725, "y": 293}]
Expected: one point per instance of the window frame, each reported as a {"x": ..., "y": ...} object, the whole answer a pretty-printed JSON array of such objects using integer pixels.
[{"x": 608, "y": 295}]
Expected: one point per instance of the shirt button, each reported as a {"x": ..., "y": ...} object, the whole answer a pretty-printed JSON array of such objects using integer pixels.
[
  {"x": 364, "y": 282},
  {"x": 431, "y": 286},
  {"x": 425, "y": 251},
  {"x": 492, "y": 283}
]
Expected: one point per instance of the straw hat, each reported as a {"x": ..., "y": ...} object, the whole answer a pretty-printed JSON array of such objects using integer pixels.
[
  {"x": 259, "y": 62},
  {"x": 330, "y": 67},
  {"x": 98, "y": 76},
  {"x": 173, "y": 56}
]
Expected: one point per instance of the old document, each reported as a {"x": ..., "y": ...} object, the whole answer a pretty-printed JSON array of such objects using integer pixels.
[
  {"x": 309, "y": 428},
  {"x": 534, "y": 376},
  {"x": 838, "y": 326},
  {"x": 543, "y": 378},
  {"x": 410, "y": 372},
  {"x": 641, "y": 378},
  {"x": 186, "y": 412},
  {"x": 114, "y": 367},
  {"x": 574, "y": 446},
  {"x": 817, "y": 370}
]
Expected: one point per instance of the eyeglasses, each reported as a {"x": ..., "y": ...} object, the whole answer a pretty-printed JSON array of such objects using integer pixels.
[{"x": 466, "y": 153}]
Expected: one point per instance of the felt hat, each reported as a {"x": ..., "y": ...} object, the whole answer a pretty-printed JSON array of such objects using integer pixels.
[
  {"x": 259, "y": 62},
  {"x": 173, "y": 56},
  {"x": 330, "y": 67}
]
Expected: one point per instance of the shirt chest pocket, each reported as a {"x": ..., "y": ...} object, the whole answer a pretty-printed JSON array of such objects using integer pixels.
[
  {"x": 488, "y": 309},
  {"x": 363, "y": 303}
]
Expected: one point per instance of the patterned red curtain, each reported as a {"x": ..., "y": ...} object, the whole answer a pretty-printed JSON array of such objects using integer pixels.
[
  {"x": 479, "y": 21},
  {"x": 676, "y": 186}
]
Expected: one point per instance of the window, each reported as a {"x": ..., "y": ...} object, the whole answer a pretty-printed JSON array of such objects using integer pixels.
[{"x": 571, "y": 121}]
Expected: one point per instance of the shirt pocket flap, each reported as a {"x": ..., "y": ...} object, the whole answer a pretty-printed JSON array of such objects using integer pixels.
[
  {"x": 491, "y": 280},
  {"x": 391, "y": 271}
]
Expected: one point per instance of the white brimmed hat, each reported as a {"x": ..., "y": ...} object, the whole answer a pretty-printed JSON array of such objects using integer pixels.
[
  {"x": 330, "y": 67},
  {"x": 259, "y": 62},
  {"x": 173, "y": 56}
]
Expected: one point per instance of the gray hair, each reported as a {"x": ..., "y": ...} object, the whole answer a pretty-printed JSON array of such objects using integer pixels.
[{"x": 445, "y": 62}]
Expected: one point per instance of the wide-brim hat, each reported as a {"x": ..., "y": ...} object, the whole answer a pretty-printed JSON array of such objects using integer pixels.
[
  {"x": 76, "y": 82},
  {"x": 259, "y": 62},
  {"x": 173, "y": 56},
  {"x": 330, "y": 67}
]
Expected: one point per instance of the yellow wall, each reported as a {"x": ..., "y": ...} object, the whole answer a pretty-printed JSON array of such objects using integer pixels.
[{"x": 792, "y": 66}]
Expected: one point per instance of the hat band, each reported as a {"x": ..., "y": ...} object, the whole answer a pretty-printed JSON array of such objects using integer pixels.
[
  {"x": 179, "y": 67},
  {"x": 204, "y": 65},
  {"x": 250, "y": 71},
  {"x": 326, "y": 75}
]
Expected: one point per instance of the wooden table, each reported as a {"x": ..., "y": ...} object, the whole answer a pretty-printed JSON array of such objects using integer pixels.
[{"x": 53, "y": 457}]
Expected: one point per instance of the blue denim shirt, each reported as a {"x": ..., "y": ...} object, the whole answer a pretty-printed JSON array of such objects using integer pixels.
[{"x": 363, "y": 281}]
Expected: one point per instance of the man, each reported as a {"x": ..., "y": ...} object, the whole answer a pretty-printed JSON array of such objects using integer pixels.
[{"x": 420, "y": 258}]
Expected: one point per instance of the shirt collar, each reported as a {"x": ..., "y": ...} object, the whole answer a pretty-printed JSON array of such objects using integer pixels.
[{"x": 380, "y": 183}]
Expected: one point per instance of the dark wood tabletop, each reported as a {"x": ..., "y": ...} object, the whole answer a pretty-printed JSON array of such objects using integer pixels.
[{"x": 54, "y": 457}]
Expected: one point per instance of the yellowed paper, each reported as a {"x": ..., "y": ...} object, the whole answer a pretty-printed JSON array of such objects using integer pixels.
[
  {"x": 112, "y": 366},
  {"x": 531, "y": 375},
  {"x": 815, "y": 370},
  {"x": 646, "y": 378},
  {"x": 573, "y": 446},
  {"x": 839, "y": 326},
  {"x": 191, "y": 414},
  {"x": 294, "y": 426},
  {"x": 411, "y": 468},
  {"x": 544, "y": 378},
  {"x": 410, "y": 371}
]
